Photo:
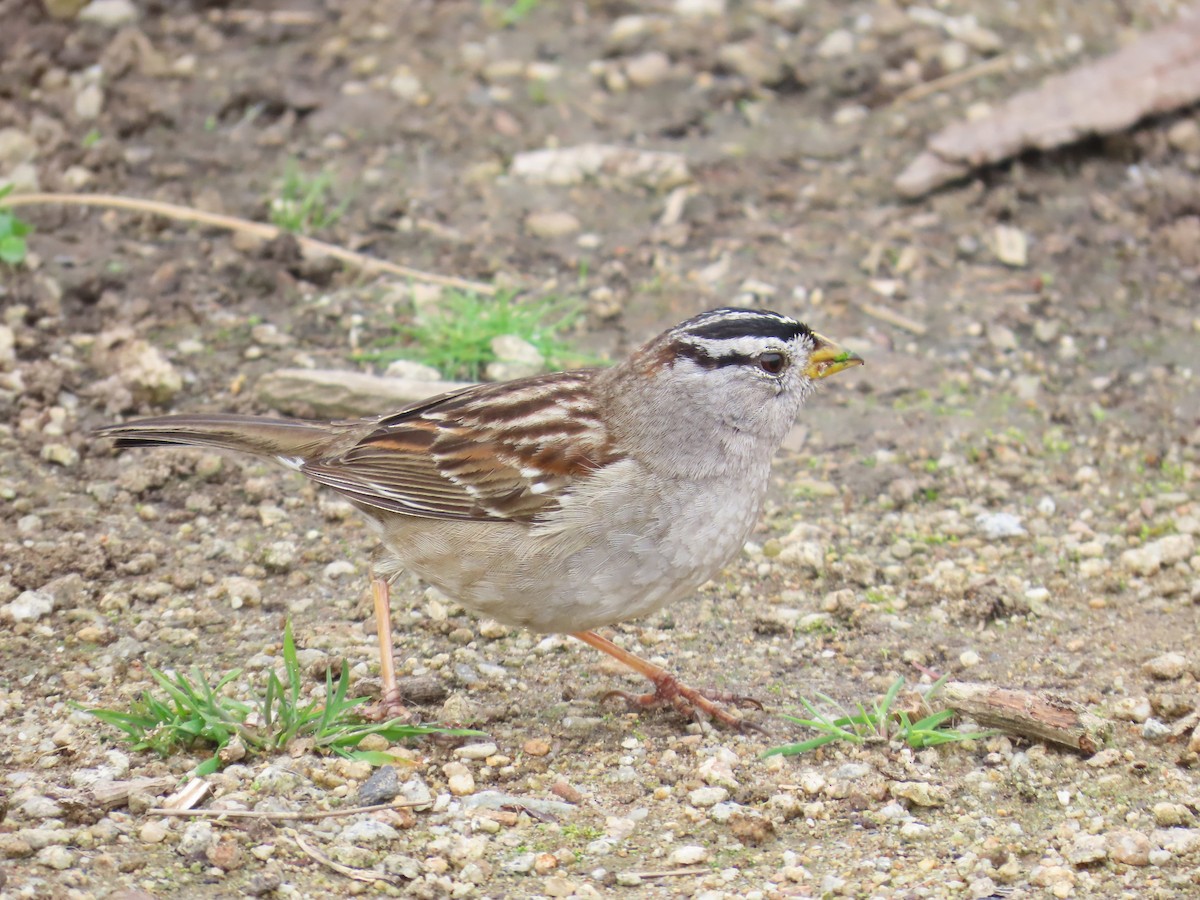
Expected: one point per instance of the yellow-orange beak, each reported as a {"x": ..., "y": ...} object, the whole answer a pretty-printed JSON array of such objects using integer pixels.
[{"x": 829, "y": 358}]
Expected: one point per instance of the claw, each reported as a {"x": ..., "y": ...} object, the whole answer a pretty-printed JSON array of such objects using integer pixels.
[
  {"x": 389, "y": 707},
  {"x": 692, "y": 703}
]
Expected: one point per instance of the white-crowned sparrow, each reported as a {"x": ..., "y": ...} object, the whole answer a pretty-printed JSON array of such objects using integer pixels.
[{"x": 568, "y": 501}]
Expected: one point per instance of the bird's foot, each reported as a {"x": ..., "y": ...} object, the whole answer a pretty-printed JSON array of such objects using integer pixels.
[
  {"x": 387, "y": 708},
  {"x": 692, "y": 702}
]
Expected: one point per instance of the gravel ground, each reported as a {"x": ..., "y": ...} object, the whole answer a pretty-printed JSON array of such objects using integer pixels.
[{"x": 1009, "y": 491}]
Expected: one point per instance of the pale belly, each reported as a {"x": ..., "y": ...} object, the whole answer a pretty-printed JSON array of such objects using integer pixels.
[{"x": 604, "y": 559}]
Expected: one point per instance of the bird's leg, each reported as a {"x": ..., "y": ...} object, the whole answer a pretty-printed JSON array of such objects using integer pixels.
[
  {"x": 389, "y": 706},
  {"x": 670, "y": 690}
]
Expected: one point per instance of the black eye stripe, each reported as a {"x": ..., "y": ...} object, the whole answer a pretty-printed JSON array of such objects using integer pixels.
[{"x": 702, "y": 359}]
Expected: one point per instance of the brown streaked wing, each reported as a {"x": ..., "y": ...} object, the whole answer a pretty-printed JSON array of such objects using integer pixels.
[{"x": 491, "y": 453}]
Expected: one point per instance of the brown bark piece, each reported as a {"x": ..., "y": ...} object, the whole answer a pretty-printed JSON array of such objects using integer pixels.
[
  {"x": 1157, "y": 73},
  {"x": 1026, "y": 714}
]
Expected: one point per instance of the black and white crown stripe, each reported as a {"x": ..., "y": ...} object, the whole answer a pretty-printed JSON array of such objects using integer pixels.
[{"x": 735, "y": 336}]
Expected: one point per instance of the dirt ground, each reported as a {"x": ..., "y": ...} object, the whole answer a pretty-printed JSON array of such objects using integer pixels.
[{"x": 1009, "y": 490}]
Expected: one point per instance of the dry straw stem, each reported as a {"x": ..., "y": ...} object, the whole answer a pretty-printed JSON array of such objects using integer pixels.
[
  {"x": 311, "y": 247},
  {"x": 280, "y": 815},
  {"x": 357, "y": 874}
]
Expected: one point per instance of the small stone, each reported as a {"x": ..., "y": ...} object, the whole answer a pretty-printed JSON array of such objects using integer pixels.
[
  {"x": 28, "y": 607},
  {"x": 241, "y": 591},
  {"x": 705, "y": 797},
  {"x": 459, "y": 779},
  {"x": 969, "y": 658},
  {"x": 197, "y": 837},
  {"x": 1155, "y": 731},
  {"x": 754, "y": 62},
  {"x": 369, "y": 833},
  {"x": 551, "y": 224},
  {"x": 1184, "y": 136},
  {"x": 226, "y": 853},
  {"x": 1167, "y": 667},
  {"x": 536, "y": 747},
  {"x": 109, "y": 13},
  {"x": 1171, "y": 814},
  {"x": 16, "y": 146},
  {"x": 407, "y": 86},
  {"x": 89, "y": 102},
  {"x": 382, "y": 786},
  {"x": 1129, "y": 847},
  {"x": 688, "y": 855},
  {"x": 1087, "y": 849},
  {"x": 60, "y": 455},
  {"x": 1132, "y": 709},
  {"x": 8, "y": 347},
  {"x": 999, "y": 525},
  {"x": 1011, "y": 246},
  {"x": 648, "y": 69},
  {"x": 476, "y": 751},
  {"x": 920, "y": 793},
  {"x": 839, "y": 42},
  {"x": 280, "y": 556},
  {"x": 695, "y": 9},
  {"x": 153, "y": 832},
  {"x": 55, "y": 857},
  {"x": 953, "y": 55},
  {"x": 411, "y": 370},
  {"x": 339, "y": 569}
]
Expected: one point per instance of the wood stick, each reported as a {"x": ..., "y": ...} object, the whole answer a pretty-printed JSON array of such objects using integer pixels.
[
  {"x": 283, "y": 815},
  {"x": 310, "y": 246},
  {"x": 1026, "y": 714},
  {"x": 356, "y": 874}
]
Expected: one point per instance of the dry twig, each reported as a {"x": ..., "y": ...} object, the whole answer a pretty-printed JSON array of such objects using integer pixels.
[
  {"x": 1157, "y": 73},
  {"x": 283, "y": 815},
  {"x": 310, "y": 246},
  {"x": 357, "y": 874},
  {"x": 1023, "y": 713}
]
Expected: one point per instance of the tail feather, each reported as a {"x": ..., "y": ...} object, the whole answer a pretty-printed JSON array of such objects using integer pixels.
[{"x": 256, "y": 435}]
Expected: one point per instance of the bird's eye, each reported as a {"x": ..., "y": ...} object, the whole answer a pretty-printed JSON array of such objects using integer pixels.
[{"x": 772, "y": 362}]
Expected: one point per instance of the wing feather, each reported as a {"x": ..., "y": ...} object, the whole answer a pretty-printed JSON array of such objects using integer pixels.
[{"x": 501, "y": 452}]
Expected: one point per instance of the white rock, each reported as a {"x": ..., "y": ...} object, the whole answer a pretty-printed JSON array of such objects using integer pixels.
[
  {"x": 23, "y": 178},
  {"x": 839, "y": 42},
  {"x": 1179, "y": 841},
  {"x": 1087, "y": 849},
  {"x": 1171, "y": 814},
  {"x": 688, "y": 855},
  {"x": 411, "y": 370},
  {"x": 339, "y": 569},
  {"x": 1011, "y": 246},
  {"x": 16, "y": 146},
  {"x": 28, "y": 607},
  {"x": 405, "y": 85},
  {"x": 648, "y": 68},
  {"x": 1132, "y": 709},
  {"x": 369, "y": 832},
  {"x": 241, "y": 591},
  {"x": 619, "y": 167},
  {"x": 459, "y": 779},
  {"x": 1167, "y": 667},
  {"x": 999, "y": 525},
  {"x": 702, "y": 798},
  {"x": 109, "y": 13},
  {"x": 1129, "y": 847},
  {"x": 718, "y": 769},
  {"x": 694, "y": 9},
  {"x": 551, "y": 224},
  {"x": 89, "y": 102},
  {"x": 476, "y": 751}
]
